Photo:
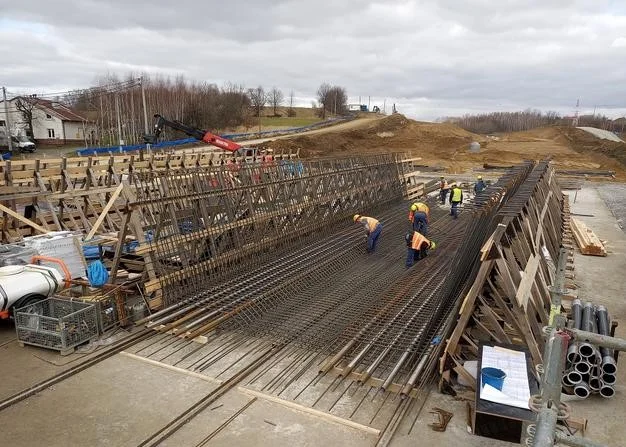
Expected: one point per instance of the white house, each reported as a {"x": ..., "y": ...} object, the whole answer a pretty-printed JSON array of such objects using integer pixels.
[{"x": 53, "y": 123}]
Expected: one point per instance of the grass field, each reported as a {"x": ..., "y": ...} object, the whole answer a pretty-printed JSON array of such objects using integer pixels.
[{"x": 285, "y": 121}]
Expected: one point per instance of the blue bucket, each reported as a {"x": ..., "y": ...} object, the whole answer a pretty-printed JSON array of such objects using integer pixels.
[{"x": 492, "y": 376}]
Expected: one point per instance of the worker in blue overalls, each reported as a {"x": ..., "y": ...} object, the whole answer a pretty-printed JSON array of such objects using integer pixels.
[
  {"x": 417, "y": 247},
  {"x": 372, "y": 227},
  {"x": 419, "y": 216}
]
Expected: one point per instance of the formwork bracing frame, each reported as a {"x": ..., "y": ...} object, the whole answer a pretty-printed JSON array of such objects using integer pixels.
[
  {"x": 70, "y": 193},
  {"x": 509, "y": 301},
  {"x": 212, "y": 223}
]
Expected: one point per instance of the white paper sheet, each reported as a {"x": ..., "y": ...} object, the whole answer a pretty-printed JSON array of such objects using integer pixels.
[{"x": 515, "y": 390}]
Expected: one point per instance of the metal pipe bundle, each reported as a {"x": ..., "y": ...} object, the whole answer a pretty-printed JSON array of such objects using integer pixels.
[{"x": 590, "y": 369}]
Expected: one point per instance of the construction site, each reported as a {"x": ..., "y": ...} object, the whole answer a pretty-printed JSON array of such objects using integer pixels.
[{"x": 225, "y": 293}]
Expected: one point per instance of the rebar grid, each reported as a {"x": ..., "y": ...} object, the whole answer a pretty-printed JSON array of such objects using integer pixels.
[
  {"x": 329, "y": 296},
  {"x": 206, "y": 226}
]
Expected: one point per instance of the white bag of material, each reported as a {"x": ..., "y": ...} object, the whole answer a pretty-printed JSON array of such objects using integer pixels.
[{"x": 62, "y": 245}]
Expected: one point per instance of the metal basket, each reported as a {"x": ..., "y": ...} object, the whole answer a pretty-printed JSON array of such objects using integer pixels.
[{"x": 56, "y": 324}]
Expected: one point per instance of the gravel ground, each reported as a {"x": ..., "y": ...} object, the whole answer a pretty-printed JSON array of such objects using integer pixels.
[{"x": 614, "y": 195}]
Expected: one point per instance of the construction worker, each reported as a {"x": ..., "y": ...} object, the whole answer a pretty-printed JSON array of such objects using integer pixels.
[
  {"x": 372, "y": 227},
  {"x": 444, "y": 188},
  {"x": 456, "y": 198},
  {"x": 417, "y": 247},
  {"x": 479, "y": 186},
  {"x": 419, "y": 216}
]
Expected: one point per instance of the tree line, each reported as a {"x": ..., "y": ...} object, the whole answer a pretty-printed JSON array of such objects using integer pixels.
[
  {"x": 199, "y": 104},
  {"x": 487, "y": 123}
]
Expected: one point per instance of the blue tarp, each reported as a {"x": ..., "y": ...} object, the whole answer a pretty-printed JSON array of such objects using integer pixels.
[{"x": 233, "y": 136}]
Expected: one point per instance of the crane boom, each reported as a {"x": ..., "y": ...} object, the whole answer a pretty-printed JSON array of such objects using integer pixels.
[{"x": 198, "y": 134}]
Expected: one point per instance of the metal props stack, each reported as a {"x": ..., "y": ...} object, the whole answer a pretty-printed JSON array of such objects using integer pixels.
[{"x": 590, "y": 369}]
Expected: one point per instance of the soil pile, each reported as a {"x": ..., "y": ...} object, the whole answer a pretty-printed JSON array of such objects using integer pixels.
[
  {"x": 586, "y": 143},
  {"x": 395, "y": 133},
  {"x": 446, "y": 146}
]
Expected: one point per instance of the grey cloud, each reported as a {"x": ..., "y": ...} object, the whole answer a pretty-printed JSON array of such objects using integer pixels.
[{"x": 429, "y": 56}]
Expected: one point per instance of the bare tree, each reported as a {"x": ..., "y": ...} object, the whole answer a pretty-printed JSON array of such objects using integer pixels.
[
  {"x": 290, "y": 111},
  {"x": 258, "y": 98},
  {"x": 507, "y": 121},
  {"x": 275, "y": 98},
  {"x": 332, "y": 99},
  {"x": 25, "y": 106}
]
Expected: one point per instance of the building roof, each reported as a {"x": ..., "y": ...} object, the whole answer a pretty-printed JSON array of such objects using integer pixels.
[{"x": 55, "y": 108}]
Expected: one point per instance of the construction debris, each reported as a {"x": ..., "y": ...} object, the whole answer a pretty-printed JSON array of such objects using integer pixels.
[
  {"x": 586, "y": 239},
  {"x": 443, "y": 417}
]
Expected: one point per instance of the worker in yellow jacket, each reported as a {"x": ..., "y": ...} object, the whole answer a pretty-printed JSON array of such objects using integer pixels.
[
  {"x": 419, "y": 216},
  {"x": 372, "y": 227},
  {"x": 417, "y": 247},
  {"x": 456, "y": 198}
]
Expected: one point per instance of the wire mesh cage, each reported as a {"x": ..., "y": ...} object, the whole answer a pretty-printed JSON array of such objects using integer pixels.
[{"x": 57, "y": 324}]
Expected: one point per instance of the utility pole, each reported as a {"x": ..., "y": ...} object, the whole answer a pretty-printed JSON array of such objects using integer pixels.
[
  {"x": 145, "y": 111},
  {"x": 385, "y": 106},
  {"x": 145, "y": 115},
  {"x": 7, "y": 123},
  {"x": 575, "y": 122},
  {"x": 119, "y": 123}
]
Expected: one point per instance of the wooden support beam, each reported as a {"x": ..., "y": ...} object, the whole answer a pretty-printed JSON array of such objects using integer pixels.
[
  {"x": 105, "y": 211},
  {"x": 22, "y": 219}
]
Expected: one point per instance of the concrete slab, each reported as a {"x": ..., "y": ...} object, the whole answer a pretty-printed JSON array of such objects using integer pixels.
[
  {"x": 456, "y": 434},
  {"x": 118, "y": 403},
  {"x": 25, "y": 366},
  {"x": 265, "y": 423},
  {"x": 601, "y": 280}
]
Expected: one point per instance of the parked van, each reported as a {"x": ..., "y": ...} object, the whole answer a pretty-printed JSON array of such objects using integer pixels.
[{"x": 23, "y": 144}]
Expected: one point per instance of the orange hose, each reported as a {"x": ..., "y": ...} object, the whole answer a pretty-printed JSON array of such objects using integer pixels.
[{"x": 68, "y": 276}]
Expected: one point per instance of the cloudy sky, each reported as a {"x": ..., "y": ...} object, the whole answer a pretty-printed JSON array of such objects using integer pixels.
[{"x": 432, "y": 58}]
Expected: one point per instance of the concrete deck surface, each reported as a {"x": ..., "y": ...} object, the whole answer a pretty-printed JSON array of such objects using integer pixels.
[{"x": 603, "y": 281}]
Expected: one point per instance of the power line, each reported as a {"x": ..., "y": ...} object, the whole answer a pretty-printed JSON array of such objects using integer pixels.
[{"x": 104, "y": 89}]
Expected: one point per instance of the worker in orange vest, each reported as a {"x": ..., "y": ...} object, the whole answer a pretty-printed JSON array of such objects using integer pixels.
[
  {"x": 419, "y": 216},
  {"x": 372, "y": 227},
  {"x": 417, "y": 247},
  {"x": 444, "y": 189}
]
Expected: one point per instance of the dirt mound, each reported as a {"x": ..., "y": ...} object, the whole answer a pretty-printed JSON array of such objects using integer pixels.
[
  {"x": 586, "y": 143},
  {"x": 447, "y": 146},
  {"x": 395, "y": 133}
]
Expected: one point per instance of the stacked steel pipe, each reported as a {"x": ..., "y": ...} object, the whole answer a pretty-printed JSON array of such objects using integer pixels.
[{"x": 590, "y": 369}]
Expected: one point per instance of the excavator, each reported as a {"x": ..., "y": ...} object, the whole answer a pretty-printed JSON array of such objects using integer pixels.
[{"x": 198, "y": 134}]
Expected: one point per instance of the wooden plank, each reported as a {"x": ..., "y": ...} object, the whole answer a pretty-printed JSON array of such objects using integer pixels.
[
  {"x": 171, "y": 367},
  {"x": 528, "y": 278},
  {"x": 311, "y": 411},
  {"x": 105, "y": 211},
  {"x": 586, "y": 239},
  {"x": 22, "y": 219}
]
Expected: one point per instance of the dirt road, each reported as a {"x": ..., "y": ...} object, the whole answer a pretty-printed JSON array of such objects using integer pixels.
[{"x": 349, "y": 125}]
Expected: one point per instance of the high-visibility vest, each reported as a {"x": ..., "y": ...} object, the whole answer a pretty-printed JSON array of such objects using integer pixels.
[
  {"x": 423, "y": 208},
  {"x": 418, "y": 240},
  {"x": 420, "y": 207},
  {"x": 457, "y": 193},
  {"x": 370, "y": 221}
]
